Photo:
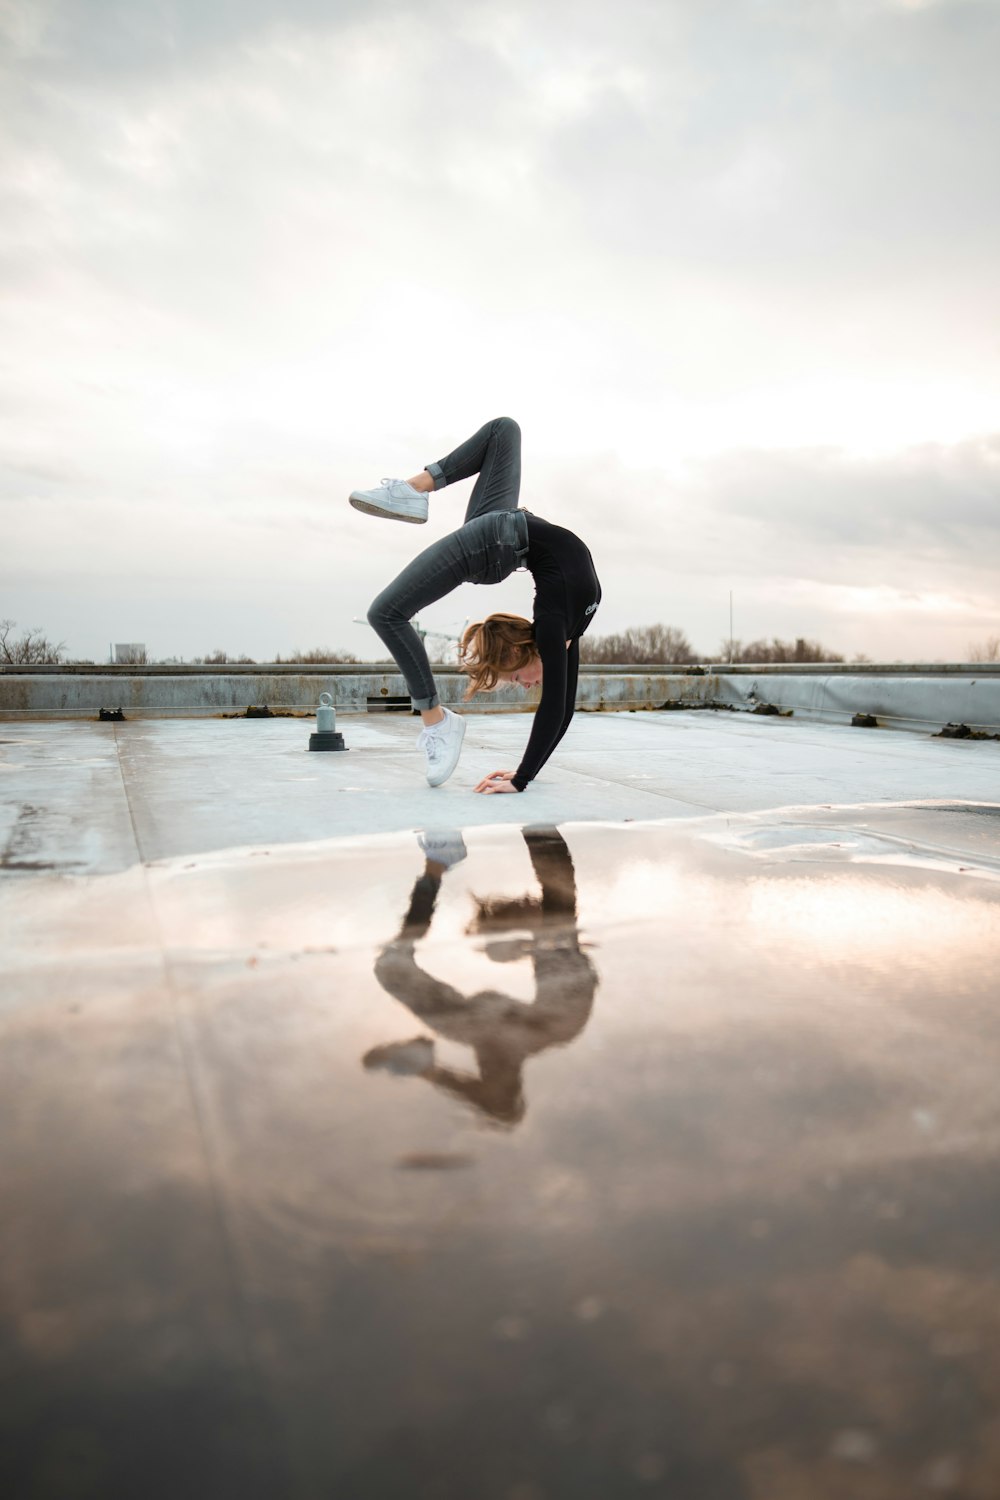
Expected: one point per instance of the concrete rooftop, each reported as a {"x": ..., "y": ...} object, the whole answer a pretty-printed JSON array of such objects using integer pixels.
[{"x": 638, "y": 1135}]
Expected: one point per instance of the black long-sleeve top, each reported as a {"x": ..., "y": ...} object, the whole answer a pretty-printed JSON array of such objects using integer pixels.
[{"x": 567, "y": 593}]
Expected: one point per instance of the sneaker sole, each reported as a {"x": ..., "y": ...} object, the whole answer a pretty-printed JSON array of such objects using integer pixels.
[{"x": 377, "y": 510}]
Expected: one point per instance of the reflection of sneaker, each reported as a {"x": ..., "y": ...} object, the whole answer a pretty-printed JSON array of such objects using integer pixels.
[
  {"x": 405, "y": 1059},
  {"x": 445, "y": 846},
  {"x": 394, "y": 499},
  {"x": 442, "y": 744}
]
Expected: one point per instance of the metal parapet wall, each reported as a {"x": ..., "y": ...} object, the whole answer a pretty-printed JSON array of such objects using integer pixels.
[
  {"x": 911, "y": 700},
  {"x": 918, "y": 697}
]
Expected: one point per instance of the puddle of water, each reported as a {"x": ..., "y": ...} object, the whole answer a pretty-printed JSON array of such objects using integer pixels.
[{"x": 559, "y": 1162}]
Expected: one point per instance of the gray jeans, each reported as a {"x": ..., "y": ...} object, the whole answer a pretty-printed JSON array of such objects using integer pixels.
[{"x": 491, "y": 544}]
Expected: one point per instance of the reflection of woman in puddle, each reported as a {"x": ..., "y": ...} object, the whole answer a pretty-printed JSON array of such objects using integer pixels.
[
  {"x": 502, "y": 1032},
  {"x": 495, "y": 539}
]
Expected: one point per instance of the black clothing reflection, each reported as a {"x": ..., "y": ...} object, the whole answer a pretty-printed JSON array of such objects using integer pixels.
[{"x": 503, "y": 1032}]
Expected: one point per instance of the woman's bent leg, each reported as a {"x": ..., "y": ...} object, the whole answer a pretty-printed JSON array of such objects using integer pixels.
[
  {"x": 437, "y": 571},
  {"x": 494, "y": 453}
]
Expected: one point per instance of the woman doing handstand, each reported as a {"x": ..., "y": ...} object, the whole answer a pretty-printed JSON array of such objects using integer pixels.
[{"x": 495, "y": 539}]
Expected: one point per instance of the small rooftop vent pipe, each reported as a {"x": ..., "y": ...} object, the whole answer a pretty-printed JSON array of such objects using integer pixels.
[{"x": 326, "y": 736}]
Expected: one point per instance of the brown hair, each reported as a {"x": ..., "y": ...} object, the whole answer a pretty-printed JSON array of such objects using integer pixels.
[{"x": 500, "y": 643}]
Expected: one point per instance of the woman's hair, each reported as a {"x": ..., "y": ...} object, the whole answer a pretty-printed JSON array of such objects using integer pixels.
[{"x": 498, "y": 644}]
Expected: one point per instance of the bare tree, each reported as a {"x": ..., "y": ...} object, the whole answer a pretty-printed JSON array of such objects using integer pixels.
[
  {"x": 988, "y": 650},
  {"x": 30, "y": 649},
  {"x": 642, "y": 645},
  {"x": 776, "y": 650}
]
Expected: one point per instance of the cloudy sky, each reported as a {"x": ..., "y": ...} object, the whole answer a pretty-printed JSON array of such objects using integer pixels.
[{"x": 731, "y": 263}]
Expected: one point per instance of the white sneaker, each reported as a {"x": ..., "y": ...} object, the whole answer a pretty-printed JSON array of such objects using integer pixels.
[
  {"x": 442, "y": 744},
  {"x": 405, "y": 1059},
  {"x": 393, "y": 498},
  {"x": 445, "y": 846}
]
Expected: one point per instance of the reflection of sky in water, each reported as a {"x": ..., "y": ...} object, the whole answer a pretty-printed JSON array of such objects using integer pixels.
[
  {"x": 863, "y": 919},
  {"x": 470, "y": 969}
]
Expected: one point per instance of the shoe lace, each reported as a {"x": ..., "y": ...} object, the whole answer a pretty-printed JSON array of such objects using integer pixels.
[{"x": 430, "y": 742}]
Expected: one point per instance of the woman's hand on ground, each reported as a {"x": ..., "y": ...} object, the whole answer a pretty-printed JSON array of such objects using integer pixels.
[{"x": 497, "y": 781}]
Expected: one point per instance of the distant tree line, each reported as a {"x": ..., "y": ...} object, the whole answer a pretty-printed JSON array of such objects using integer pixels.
[
  {"x": 34, "y": 648},
  {"x": 776, "y": 650},
  {"x": 639, "y": 646},
  {"x": 319, "y": 654},
  {"x": 667, "y": 644},
  {"x": 221, "y": 658},
  {"x": 644, "y": 645}
]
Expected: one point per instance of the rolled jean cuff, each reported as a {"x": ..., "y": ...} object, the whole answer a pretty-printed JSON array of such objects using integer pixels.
[
  {"x": 424, "y": 703},
  {"x": 437, "y": 474}
]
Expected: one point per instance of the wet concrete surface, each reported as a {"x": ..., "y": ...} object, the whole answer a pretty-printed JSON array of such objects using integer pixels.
[
  {"x": 97, "y": 797},
  {"x": 522, "y": 1161}
]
